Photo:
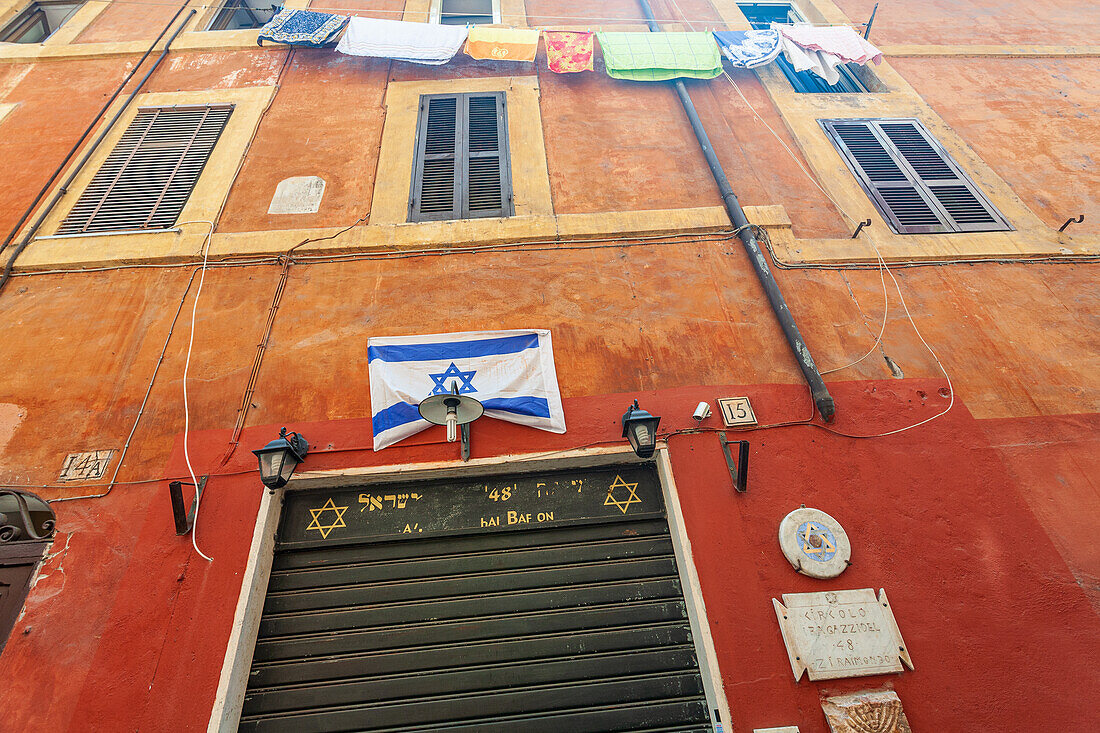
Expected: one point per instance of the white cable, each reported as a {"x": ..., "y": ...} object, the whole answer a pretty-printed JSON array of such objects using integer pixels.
[
  {"x": 882, "y": 329},
  {"x": 950, "y": 387},
  {"x": 883, "y": 270},
  {"x": 840, "y": 210},
  {"x": 186, "y": 366}
]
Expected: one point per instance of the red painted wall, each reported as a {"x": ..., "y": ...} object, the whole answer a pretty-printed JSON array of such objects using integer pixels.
[{"x": 981, "y": 595}]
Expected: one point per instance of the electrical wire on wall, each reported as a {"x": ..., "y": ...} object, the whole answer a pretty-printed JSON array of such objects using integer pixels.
[{"x": 186, "y": 367}]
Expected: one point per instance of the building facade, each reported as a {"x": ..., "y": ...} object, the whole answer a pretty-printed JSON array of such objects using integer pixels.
[{"x": 206, "y": 232}]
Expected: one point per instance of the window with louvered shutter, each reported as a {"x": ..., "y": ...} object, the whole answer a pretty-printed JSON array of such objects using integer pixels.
[
  {"x": 916, "y": 186},
  {"x": 461, "y": 169},
  {"x": 147, "y": 178}
]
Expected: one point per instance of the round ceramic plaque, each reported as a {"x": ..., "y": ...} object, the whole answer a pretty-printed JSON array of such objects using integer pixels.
[{"x": 814, "y": 543}]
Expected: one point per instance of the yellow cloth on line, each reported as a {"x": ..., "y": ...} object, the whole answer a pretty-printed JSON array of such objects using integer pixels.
[{"x": 502, "y": 44}]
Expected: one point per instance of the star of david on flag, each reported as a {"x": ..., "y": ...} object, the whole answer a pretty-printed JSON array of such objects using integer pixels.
[{"x": 510, "y": 372}]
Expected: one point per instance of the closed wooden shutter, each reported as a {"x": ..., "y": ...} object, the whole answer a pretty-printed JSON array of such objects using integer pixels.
[
  {"x": 461, "y": 170},
  {"x": 147, "y": 178},
  {"x": 916, "y": 186},
  {"x": 573, "y": 627}
]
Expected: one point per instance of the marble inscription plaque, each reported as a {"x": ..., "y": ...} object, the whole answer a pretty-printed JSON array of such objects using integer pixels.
[
  {"x": 844, "y": 633},
  {"x": 298, "y": 195}
]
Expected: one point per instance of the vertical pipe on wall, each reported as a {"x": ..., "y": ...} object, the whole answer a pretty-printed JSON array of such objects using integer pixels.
[
  {"x": 87, "y": 131},
  {"x": 79, "y": 165},
  {"x": 822, "y": 399}
]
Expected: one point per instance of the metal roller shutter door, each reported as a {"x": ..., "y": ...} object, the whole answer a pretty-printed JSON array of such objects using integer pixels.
[{"x": 573, "y": 628}]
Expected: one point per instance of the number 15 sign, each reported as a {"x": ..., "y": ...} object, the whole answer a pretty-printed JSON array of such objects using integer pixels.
[{"x": 736, "y": 411}]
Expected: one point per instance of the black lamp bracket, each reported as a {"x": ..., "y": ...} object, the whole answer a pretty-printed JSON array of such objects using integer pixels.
[
  {"x": 298, "y": 444},
  {"x": 464, "y": 432},
  {"x": 185, "y": 519},
  {"x": 739, "y": 471}
]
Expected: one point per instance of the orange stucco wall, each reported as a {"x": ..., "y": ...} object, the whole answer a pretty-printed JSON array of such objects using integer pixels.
[
  {"x": 123, "y": 607},
  {"x": 43, "y": 92},
  {"x": 1039, "y": 132},
  {"x": 965, "y": 22}
]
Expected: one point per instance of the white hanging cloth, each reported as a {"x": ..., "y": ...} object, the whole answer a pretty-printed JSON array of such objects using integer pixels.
[{"x": 420, "y": 43}]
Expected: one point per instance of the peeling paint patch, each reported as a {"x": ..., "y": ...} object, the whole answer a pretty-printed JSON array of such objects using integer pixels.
[
  {"x": 49, "y": 579},
  {"x": 11, "y": 417}
]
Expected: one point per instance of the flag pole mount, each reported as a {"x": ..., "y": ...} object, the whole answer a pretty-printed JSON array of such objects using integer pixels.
[{"x": 456, "y": 412}]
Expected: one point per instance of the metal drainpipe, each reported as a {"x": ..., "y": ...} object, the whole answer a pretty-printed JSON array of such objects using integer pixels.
[
  {"x": 821, "y": 396},
  {"x": 64, "y": 187}
]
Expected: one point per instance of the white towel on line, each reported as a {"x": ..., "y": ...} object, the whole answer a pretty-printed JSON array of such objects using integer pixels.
[
  {"x": 419, "y": 43},
  {"x": 819, "y": 62},
  {"x": 838, "y": 40}
]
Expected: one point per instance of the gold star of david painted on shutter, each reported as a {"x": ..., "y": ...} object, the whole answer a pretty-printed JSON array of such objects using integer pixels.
[{"x": 338, "y": 520}]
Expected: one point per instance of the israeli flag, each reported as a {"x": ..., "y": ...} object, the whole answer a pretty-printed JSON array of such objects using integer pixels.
[{"x": 510, "y": 372}]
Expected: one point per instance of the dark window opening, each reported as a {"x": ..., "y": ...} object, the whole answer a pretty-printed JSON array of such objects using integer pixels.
[
  {"x": 461, "y": 169},
  {"x": 38, "y": 21},
  {"x": 146, "y": 180},
  {"x": 912, "y": 181},
  {"x": 762, "y": 15},
  {"x": 463, "y": 12},
  {"x": 240, "y": 14}
]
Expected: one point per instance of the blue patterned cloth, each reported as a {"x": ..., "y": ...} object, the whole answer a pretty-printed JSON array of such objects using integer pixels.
[
  {"x": 748, "y": 49},
  {"x": 302, "y": 28}
]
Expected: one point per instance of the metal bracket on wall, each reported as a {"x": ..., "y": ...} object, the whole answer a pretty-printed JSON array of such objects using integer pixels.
[
  {"x": 183, "y": 521},
  {"x": 864, "y": 223},
  {"x": 739, "y": 471},
  {"x": 1078, "y": 220},
  {"x": 867, "y": 25},
  {"x": 464, "y": 428}
]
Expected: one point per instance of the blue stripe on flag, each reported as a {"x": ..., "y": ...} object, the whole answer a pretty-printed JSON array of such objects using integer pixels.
[
  {"x": 453, "y": 349},
  {"x": 533, "y": 406},
  {"x": 394, "y": 416}
]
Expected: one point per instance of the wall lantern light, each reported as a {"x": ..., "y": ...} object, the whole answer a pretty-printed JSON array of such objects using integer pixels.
[
  {"x": 280, "y": 457},
  {"x": 454, "y": 411},
  {"x": 640, "y": 428}
]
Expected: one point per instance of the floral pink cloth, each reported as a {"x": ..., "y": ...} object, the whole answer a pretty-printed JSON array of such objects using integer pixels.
[
  {"x": 568, "y": 52},
  {"x": 839, "y": 40}
]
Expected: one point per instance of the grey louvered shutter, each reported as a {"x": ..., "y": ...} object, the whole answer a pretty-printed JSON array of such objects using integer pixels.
[
  {"x": 916, "y": 186},
  {"x": 461, "y": 169},
  {"x": 147, "y": 178}
]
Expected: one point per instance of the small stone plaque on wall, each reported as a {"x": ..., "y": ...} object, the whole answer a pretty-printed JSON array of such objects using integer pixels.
[
  {"x": 844, "y": 633},
  {"x": 866, "y": 712},
  {"x": 298, "y": 195},
  {"x": 85, "y": 466}
]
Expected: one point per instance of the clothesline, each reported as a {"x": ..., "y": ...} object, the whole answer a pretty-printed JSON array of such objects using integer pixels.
[
  {"x": 709, "y": 23},
  {"x": 635, "y": 56}
]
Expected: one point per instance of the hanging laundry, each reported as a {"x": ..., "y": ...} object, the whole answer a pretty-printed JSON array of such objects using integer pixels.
[
  {"x": 839, "y": 40},
  {"x": 302, "y": 28},
  {"x": 660, "y": 56},
  {"x": 502, "y": 44},
  {"x": 568, "y": 53},
  {"x": 419, "y": 43},
  {"x": 818, "y": 62},
  {"x": 748, "y": 49}
]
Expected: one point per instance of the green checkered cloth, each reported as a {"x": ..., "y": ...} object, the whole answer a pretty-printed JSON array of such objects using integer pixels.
[{"x": 660, "y": 56}]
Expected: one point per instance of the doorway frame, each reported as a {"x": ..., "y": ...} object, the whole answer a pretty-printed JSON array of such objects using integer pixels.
[{"x": 233, "y": 681}]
